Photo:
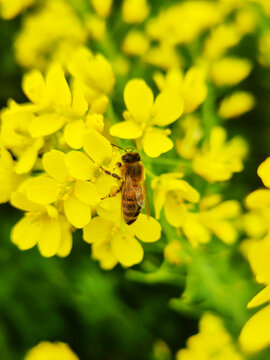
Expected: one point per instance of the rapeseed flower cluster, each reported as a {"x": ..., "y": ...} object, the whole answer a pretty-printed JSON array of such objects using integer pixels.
[{"x": 171, "y": 83}]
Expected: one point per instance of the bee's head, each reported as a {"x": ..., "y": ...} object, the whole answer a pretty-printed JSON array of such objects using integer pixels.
[{"x": 131, "y": 157}]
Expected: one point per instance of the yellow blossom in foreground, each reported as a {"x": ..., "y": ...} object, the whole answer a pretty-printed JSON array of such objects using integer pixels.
[
  {"x": 212, "y": 342},
  {"x": 9, "y": 9},
  {"x": 57, "y": 35},
  {"x": 51, "y": 351},
  {"x": 66, "y": 180},
  {"x": 16, "y": 136},
  {"x": 218, "y": 158},
  {"x": 236, "y": 104},
  {"x": 42, "y": 225},
  {"x": 143, "y": 113},
  {"x": 213, "y": 217},
  {"x": 170, "y": 192},
  {"x": 113, "y": 241},
  {"x": 192, "y": 87},
  {"x": 230, "y": 71},
  {"x": 135, "y": 11},
  {"x": 255, "y": 333}
]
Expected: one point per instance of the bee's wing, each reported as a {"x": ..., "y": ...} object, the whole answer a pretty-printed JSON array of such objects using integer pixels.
[{"x": 146, "y": 199}]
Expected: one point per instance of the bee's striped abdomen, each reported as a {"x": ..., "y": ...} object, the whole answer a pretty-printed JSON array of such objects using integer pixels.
[{"x": 130, "y": 207}]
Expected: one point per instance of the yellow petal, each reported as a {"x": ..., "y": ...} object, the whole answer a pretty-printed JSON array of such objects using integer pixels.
[
  {"x": 65, "y": 245},
  {"x": 264, "y": 172},
  {"x": 175, "y": 212},
  {"x": 33, "y": 86},
  {"x": 79, "y": 103},
  {"x": 224, "y": 230},
  {"x": 86, "y": 192},
  {"x": 97, "y": 146},
  {"x": 255, "y": 334},
  {"x": 126, "y": 130},
  {"x": 156, "y": 142},
  {"x": 46, "y": 124},
  {"x": 127, "y": 249},
  {"x": 168, "y": 107},
  {"x": 77, "y": 212},
  {"x": 26, "y": 161},
  {"x": 258, "y": 199},
  {"x": 54, "y": 165},
  {"x": 42, "y": 190},
  {"x": 196, "y": 232},
  {"x": 139, "y": 99},
  {"x": 110, "y": 208},
  {"x": 25, "y": 234},
  {"x": 20, "y": 201},
  {"x": 57, "y": 88},
  {"x": 146, "y": 228},
  {"x": 103, "y": 253},
  {"x": 50, "y": 237},
  {"x": 74, "y": 133},
  {"x": 261, "y": 298},
  {"x": 79, "y": 165},
  {"x": 98, "y": 230}
]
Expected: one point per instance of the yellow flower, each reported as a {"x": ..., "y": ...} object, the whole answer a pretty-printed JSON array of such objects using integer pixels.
[
  {"x": 135, "y": 11},
  {"x": 170, "y": 192},
  {"x": 9, "y": 180},
  {"x": 96, "y": 27},
  {"x": 51, "y": 351},
  {"x": 143, "y": 113},
  {"x": 135, "y": 43},
  {"x": 186, "y": 145},
  {"x": 16, "y": 136},
  {"x": 54, "y": 105},
  {"x": 255, "y": 333},
  {"x": 42, "y": 225},
  {"x": 246, "y": 20},
  {"x": 184, "y": 22},
  {"x": 230, "y": 71},
  {"x": 218, "y": 159},
  {"x": 236, "y": 104},
  {"x": 163, "y": 56},
  {"x": 66, "y": 180},
  {"x": 173, "y": 252},
  {"x": 220, "y": 40},
  {"x": 212, "y": 342},
  {"x": 192, "y": 87},
  {"x": 9, "y": 9},
  {"x": 57, "y": 36},
  {"x": 102, "y": 7},
  {"x": 96, "y": 75},
  {"x": 113, "y": 241}
]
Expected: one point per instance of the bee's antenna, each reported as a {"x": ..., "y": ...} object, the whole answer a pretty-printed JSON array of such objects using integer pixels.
[{"x": 119, "y": 147}]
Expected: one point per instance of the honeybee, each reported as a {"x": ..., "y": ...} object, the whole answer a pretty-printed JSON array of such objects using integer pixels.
[{"x": 134, "y": 194}]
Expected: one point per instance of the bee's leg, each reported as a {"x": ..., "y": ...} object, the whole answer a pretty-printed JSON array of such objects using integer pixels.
[{"x": 111, "y": 174}]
